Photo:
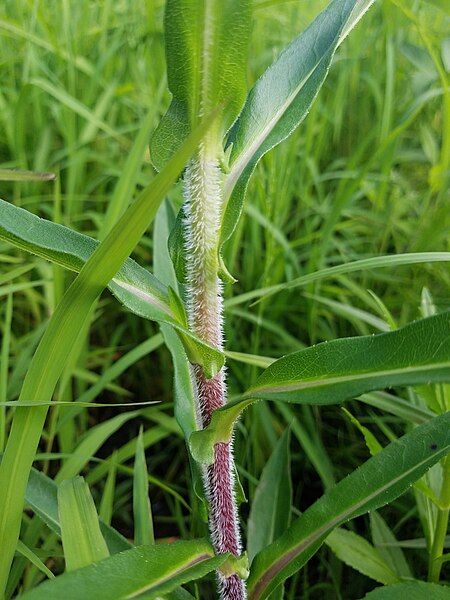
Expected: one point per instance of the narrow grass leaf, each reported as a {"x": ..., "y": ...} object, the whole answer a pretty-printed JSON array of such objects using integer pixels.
[
  {"x": 151, "y": 570},
  {"x": 93, "y": 440},
  {"x": 34, "y": 559},
  {"x": 143, "y": 520},
  {"x": 377, "y": 482},
  {"x": 271, "y": 506},
  {"x": 376, "y": 262},
  {"x": 41, "y": 497},
  {"x": 82, "y": 539}
]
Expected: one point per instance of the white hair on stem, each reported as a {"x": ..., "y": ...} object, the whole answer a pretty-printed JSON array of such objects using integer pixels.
[{"x": 202, "y": 212}]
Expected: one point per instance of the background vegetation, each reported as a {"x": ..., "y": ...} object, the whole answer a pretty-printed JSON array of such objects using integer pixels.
[{"x": 366, "y": 174}]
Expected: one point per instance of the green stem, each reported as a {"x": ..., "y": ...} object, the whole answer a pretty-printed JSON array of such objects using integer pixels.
[{"x": 440, "y": 531}]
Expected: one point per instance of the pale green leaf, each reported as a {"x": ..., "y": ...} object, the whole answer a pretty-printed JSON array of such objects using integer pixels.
[
  {"x": 41, "y": 497},
  {"x": 142, "y": 512},
  {"x": 387, "y": 545},
  {"x": 359, "y": 554},
  {"x": 82, "y": 539}
]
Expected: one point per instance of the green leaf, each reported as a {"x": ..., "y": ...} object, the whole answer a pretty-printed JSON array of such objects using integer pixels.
[
  {"x": 412, "y": 590},
  {"x": 88, "y": 446},
  {"x": 34, "y": 559},
  {"x": 394, "y": 260},
  {"x": 61, "y": 334},
  {"x": 150, "y": 570},
  {"x": 359, "y": 554},
  {"x": 41, "y": 496},
  {"x": 135, "y": 287},
  {"x": 206, "y": 54},
  {"x": 282, "y": 97},
  {"x": 82, "y": 539},
  {"x": 143, "y": 521},
  {"x": 271, "y": 507},
  {"x": 336, "y": 371},
  {"x": 377, "y": 482},
  {"x": 184, "y": 387},
  {"x": 387, "y": 545}
]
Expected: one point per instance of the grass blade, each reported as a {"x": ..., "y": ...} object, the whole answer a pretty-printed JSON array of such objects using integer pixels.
[
  {"x": 142, "y": 511},
  {"x": 82, "y": 539}
]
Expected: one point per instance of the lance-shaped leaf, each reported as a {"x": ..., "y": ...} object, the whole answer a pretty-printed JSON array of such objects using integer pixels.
[
  {"x": 206, "y": 54},
  {"x": 282, "y": 97},
  {"x": 148, "y": 570},
  {"x": 377, "y": 482},
  {"x": 339, "y": 370},
  {"x": 135, "y": 287}
]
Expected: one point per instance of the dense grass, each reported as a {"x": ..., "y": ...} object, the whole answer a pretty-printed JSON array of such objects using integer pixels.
[{"x": 366, "y": 174}]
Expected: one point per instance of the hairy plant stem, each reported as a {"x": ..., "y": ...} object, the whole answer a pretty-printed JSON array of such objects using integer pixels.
[{"x": 203, "y": 204}]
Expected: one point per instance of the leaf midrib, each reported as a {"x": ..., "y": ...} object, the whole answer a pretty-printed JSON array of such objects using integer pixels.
[{"x": 312, "y": 383}]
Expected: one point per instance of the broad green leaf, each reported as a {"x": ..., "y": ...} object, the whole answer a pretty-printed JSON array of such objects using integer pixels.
[
  {"x": 17, "y": 175},
  {"x": 206, "y": 53},
  {"x": 271, "y": 507},
  {"x": 412, "y": 590},
  {"x": 41, "y": 497},
  {"x": 142, "y": 512},
  {"x": 377, "y": 482},
  {"x": 359, "y": 554},
  {"x": 61, "y": 334},
  {"x": 82, "y": 539},
  {"x": 336, "y": 371},
  {"x": 417, "y": 353},
  {"x": 150, "y": 570},
  {"x": 135, "y": 287},
  {"x": 387, "y": 545},
  {"x": 282, "y": 97}
]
